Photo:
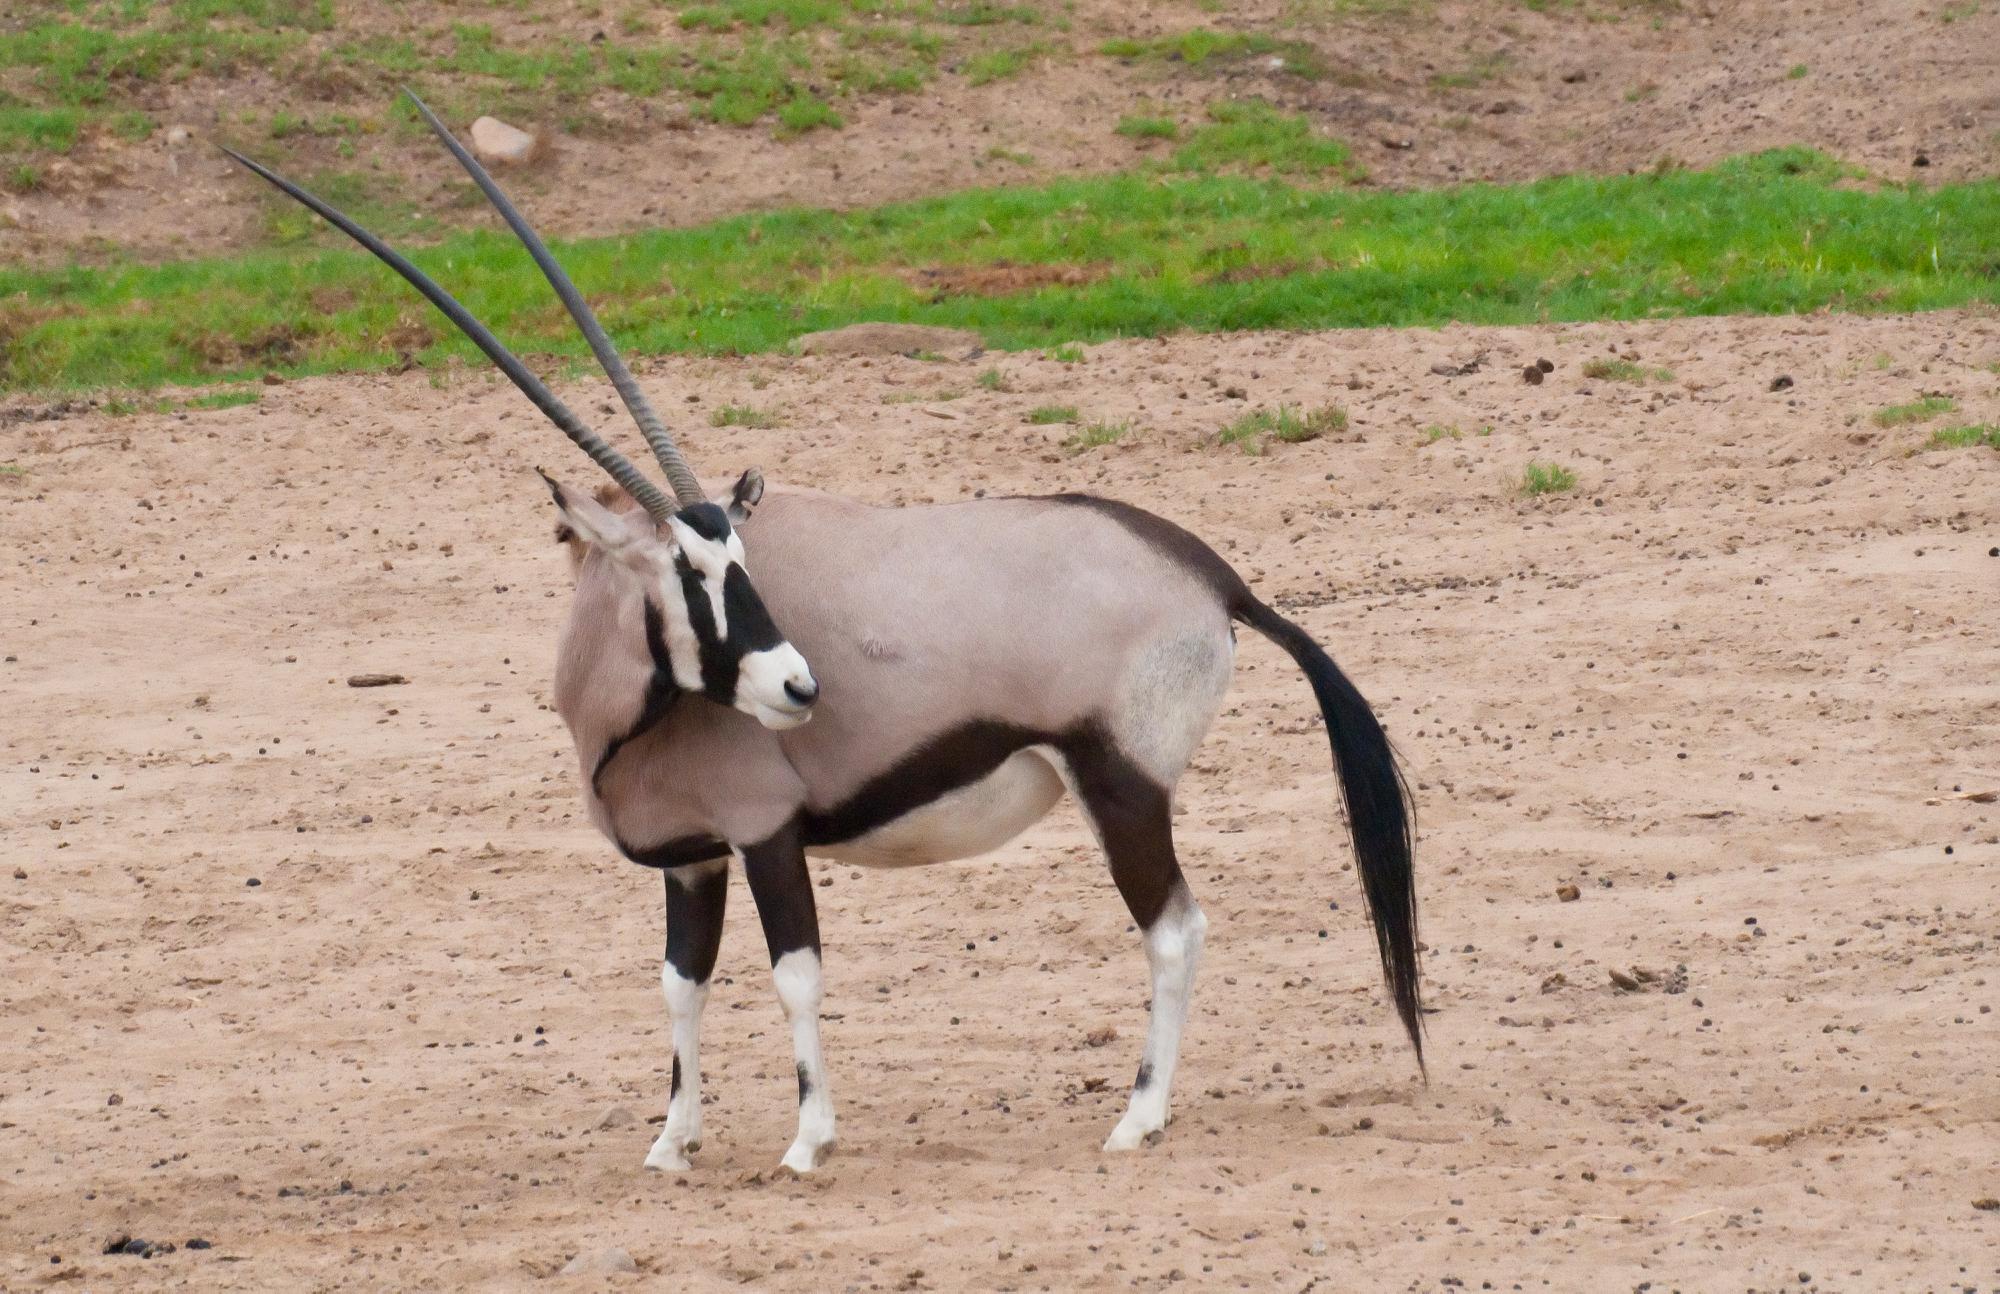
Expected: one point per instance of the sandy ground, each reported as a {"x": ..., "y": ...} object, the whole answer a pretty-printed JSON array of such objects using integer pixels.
[
  {"x": 1488, "y": 90},
  {"x": 1728, "y": 689}
]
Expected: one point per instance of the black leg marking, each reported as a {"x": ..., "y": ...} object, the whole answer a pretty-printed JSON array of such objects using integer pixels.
[
  {"x": 1145, "y": 1079},
  {"x": 1134, "y": 815},
  {"x": 782, "y": 887},
  {"x": 805, "y": 1083},
  {"x": 675, "y": 1090},
  {"x": 694, "y": 924}
]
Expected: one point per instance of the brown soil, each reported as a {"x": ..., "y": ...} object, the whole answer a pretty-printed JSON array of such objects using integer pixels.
[
  {"x": 1444, "y": 93},
  {"x": 1732, "y": 689}
]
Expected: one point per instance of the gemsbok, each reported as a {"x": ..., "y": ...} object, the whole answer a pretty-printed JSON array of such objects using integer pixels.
[{"x": 969, "y": 663}]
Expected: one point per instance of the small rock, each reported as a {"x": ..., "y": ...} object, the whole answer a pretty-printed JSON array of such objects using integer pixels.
[
  {"x": 600, "y": 1262},
  {"x": 1574, "y": 76},
  {"x": 1235, "y": 393},
  {"x": 1399, "y": 144},
  {"x": 1782, "y": 382},
  {"x": 1568, "y": 893},
  {"x": 616, "y": 1117},
  {"x": 1987, "y": 1204},
  {"x": 274, "y": 379},
  {"x": 178, "y": 136},
  {"x": 114, "y": 1099},
  {"x": 199, "y": 1243},
  {"x": 1100, "y": 1037},
  {"x": 493, "y": 140},
  {"x": 20, "y": 874},
  {"x": 1532, "y": 375},
  {"x": 252, "y": 882},
  {"x": 1921, "y": 159},
  {"x": 1624, "y": 983},
  {"x": 375, "y": 680},
  {"x": 1554, "y": 982},
  {"x": 1546, "y": 365}
]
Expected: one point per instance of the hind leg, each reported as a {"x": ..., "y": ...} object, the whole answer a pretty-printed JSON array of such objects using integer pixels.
[{"x": 1132, "y": 816}]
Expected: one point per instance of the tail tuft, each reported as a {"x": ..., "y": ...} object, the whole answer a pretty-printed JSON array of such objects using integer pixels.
[{"x": 1378, "y": 808}]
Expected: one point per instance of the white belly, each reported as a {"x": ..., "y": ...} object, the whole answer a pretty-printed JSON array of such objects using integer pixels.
[{"x": 971, "y": 820}]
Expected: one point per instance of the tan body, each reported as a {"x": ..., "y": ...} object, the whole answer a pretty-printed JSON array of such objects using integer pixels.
[{"x": 916, "y": 625}]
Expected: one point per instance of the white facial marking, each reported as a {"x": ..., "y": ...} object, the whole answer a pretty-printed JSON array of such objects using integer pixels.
[
  {"x": 760, "y": 687},
  {"x": 683, "y": 649},
  {"x": 797, "y": 975}
]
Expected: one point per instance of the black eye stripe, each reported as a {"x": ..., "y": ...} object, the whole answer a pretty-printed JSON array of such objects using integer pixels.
[
  {"x": 750, "y": 625},
  {"x": 718, "y": 658}
]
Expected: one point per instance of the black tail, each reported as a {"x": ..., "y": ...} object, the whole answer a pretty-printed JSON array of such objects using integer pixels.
[{"x": 1378, "y": 810}]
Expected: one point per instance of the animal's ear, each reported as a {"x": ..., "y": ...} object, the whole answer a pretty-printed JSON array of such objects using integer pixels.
[
  {"x": 749, "y": 489},
  {"x": 627, "y": 536}
]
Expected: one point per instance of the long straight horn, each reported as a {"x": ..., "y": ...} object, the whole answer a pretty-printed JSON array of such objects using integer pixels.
[
  {"x": 588, "y": 441},
  {"x": 679, "y": 474}
]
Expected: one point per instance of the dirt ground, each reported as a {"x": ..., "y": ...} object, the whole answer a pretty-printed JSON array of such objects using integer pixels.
[
  {"x": 1909, "y": 89},
  {"x": 342, "y": 981}
]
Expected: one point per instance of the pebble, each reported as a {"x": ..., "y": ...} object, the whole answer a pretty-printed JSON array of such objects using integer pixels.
[
  {"x": 600, "y": 1262},
  {"x": 1568, "y": 893},
  {"x": 493, "y": 140}
]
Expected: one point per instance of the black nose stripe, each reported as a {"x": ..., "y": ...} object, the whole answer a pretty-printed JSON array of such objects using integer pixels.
[{"x": 750, "y": 625}]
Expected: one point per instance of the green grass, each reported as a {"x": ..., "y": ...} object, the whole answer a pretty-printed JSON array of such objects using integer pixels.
[
  {"x": 1285, "y": 423},
  {"x": 1133, "y": 127},
  {"x": 1439, "y": 431},
  {"x": 993, "y": 379},
  {"x": 1546, "y": 478},
  {"x": 1919, "y": 410},
  {"x": 1251, "y": 135},
  {"x": 1624, "y": 370},
  {"x": 1967, "y": 437},
  {"x": 1763, "y": 235},
  {"x": 1797, "y": 72},
  {"x": 1067, "y": 353},
  {"x": 1051, "y": 414},
  {"x": 121, "y": 407},
  {"x": 1201, "y": 48},
  {"x": 1480, "y": 69},
  {"x": 1097, "y": 435},
  {"x": 743, "y": 415},
  {"x": 999, "y": 64}
]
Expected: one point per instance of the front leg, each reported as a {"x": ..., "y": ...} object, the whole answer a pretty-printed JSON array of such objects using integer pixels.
[
  {"x": 695, "y": 896},
  {"x": 782, "y": 887}
]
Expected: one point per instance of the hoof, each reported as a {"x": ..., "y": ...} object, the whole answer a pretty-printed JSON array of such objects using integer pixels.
[
  {"x": 670, "y": 1157},
  {"x": 1130, "y": 1135},
  {"x": 803, "y": 1159}
]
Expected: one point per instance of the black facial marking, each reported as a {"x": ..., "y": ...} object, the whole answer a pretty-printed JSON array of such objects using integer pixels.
[
  {"x": 750, "y": 625},
  {"x": 1145, "y": 1079},
  {"x": 718, "y": 658},
  {"x": 661, "y": 693},
  {"x": 782, "y": 887},
  {"x": 694, "y": 922},
  {"x": 805, "y": 1083},
  {"x": 706, "y": 520}
]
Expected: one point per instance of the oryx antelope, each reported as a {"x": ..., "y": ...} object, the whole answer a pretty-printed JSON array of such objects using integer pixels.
[{"x": 969, "y": 662}]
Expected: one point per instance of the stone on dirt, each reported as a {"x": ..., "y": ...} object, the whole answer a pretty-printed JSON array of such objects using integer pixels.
[
  {"x": 493, "y": 140},
  {"x": 600, "y": 1262}
]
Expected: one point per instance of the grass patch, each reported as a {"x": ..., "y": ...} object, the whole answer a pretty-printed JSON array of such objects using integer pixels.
[
  {"x": 1148, "y": 127},
  {"x": 1546, "y": 478},
  {"x": 1480, "y": 70},
  {"x": 743, "y": 415},
  {"x": 1967, "y": 437},
  {"x": 1049, "y": 415},
  {"x": 1067, "y": 353},
  {"x": 999, "y": 64},
  {"x": 1921, "y": 410},
  {"x": 1797, "y": 72},
  {"x": 993, "y": 379},
  {"x": 1201, "y": 48},
  {"x": 1251, "y": 135},
  {"x": 1164, "y": 253},
  {"x": 1438, "y": 431},
  {"x": 1097, "y": 435},
  {"x": 798, "y": 116},
  {"x": 1285, "y": 423},
  {"x": 1624, "y": 370}
]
